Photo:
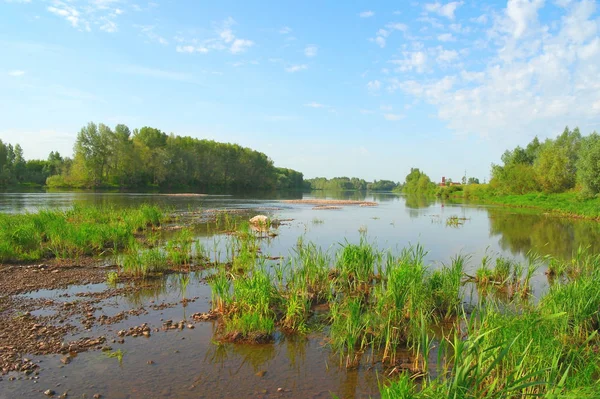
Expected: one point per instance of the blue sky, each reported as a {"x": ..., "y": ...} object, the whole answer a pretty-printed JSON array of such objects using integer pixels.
[{"x": 366, "y": 89}]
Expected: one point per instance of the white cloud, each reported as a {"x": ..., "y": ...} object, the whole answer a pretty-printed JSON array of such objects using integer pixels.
[
  {"x": 109, "y": 26},
  {"x": 316, "y": 105},
  {"x": 157, "y": 73},
  {"x": 94, "y": 13},
  {"x": 393, "y": 117},
  {"x": 482, "y": 19},
  {"x": 446, "y": 37},
  {"x": 311, "y": 50},
  {"x": 16, "y": 73},
  {"x": 366, "y": 14},
  {"x": 520, "y": 15},
  {"x": 382, "y": 34},
  {"x": 148, "y": 31},
  {"x": 71, "y": 14},
  {"x": 191, "y": 49},
  {"x": 285, "y": 30},
  {"x": 240, "y": 45},
  {"x": 536, "y": 81},
  {"x": 374, "y": 85},
  {"x": 444, "y": 10},
  {"x": 225, "y": 40},
  {"x": 413, "y": 60},
  {"x": 447, "y": 56},
  {"x": 296, "y": 68}
]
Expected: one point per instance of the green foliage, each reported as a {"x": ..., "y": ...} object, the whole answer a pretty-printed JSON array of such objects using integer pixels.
[
  {"x": 14, "y": 169},
  {"x": 150, "y": 157},
  {"x": 551, "y": 167},
  {"x": 553, "y": 170},
  {"x": 382, "y": 185},
  {"x": 289, "y": 179},
  {"x": 588, "y": 164},
  {"x": 541, "y": 350},
  {"x": 337, "y": 183},
  {"x": 514, "y": 178},
  {"x": 419, "y": 183},
  {"x": 76, "y": 232}
]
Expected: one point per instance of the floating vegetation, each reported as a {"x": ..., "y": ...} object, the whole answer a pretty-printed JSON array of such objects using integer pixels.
[
  {"x": 118, "y": 354},
  {"x": 455, "y": 221},
  {"x": 317, "y": 221}
]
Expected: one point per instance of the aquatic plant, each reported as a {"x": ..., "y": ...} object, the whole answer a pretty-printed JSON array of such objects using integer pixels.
[{"x": 72, "y": 233}]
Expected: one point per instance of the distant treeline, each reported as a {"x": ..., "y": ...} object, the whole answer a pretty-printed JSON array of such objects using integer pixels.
[
  {"x": 147, "y": 157},
  {"x": 568, "y": 163},
  {"x": 14, "y": 169},
  {"x": 346, "y": 183},
  {"x": 417, "y": 182}
]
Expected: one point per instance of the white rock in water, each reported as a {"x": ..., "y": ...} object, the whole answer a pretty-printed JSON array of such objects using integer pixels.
[{"x": 260, "y": 219}]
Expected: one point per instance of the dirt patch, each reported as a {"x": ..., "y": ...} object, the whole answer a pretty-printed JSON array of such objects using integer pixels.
[{"x": 19, "y": 279}]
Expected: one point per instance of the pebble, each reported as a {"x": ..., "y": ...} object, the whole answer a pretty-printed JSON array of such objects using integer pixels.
[{"x": 49, "y": 392}]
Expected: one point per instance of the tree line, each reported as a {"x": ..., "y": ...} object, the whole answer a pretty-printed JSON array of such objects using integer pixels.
[
  {"x": 349, "y": 183},
  {"x": 147, "y": 157},
  {"x": 14, "y": 169},
  {"x": 568, "y": 162}
]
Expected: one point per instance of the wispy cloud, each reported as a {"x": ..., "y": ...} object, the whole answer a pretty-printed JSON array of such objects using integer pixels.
[
  {"x": 100, "y": 13},
  {"x": 535, "y": 80},
  {"x": 71, "y": 14},
  {"x": 296, "y": 68},
  {"x": 150, "y": 34},
  {"x": 16, "y": 73},
  {"x": 393, "y": 117},
  {"x": 366, "y": 14},
  {"x": 446, "y": 37},
  {"x": 374, "y": 85},
  {"x": 157, "y": 73},
  {"x": 311, "y": 50},
  {"x": 382, "y": 34},
  {"x": 316, "y": 105},
  {"x": 225, "y": 40},
  {"x": 413, "y": 60},
  {"x": 444, "y": 10},
  {"x": 285, "y": 30}
]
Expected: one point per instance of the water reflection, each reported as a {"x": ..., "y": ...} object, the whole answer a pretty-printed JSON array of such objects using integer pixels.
[{"x": 520, "y": 232}]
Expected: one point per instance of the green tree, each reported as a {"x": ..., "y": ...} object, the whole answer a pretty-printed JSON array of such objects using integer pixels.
[
  {"x": 417, "y": 182},
  {"x": 588, "y": 165},
  {"x": 552, "y": 168}
]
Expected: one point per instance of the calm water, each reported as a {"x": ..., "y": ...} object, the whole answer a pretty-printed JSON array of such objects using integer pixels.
[{"x": 189, "y": 364}]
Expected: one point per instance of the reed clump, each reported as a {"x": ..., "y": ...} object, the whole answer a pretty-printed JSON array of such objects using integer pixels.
[
  {"x": 73, "y": 233},
  {"x": 545, "y": 349}
]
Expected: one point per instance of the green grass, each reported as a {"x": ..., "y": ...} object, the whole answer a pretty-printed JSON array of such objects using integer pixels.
[
  {"x": 547, "y": 349},
  {"x": 567, "y": 204},
  {"x": 73, "y": 233}
]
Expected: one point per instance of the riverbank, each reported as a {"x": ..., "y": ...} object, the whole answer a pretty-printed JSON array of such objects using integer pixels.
[{"x": 569, "y": 204}]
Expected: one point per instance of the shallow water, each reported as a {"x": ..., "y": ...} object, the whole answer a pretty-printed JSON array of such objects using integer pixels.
[{"x": 189, "y": 364}]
